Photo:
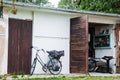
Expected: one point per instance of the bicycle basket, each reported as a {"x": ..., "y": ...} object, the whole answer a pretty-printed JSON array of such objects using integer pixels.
[{"x": 56, "y": 54}]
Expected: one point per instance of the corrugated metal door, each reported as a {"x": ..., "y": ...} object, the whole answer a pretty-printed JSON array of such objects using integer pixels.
[
  {"x": 20, "y": 41},
  {"x": 117, "y": 36},
  {"x": 79, "y": 45}
]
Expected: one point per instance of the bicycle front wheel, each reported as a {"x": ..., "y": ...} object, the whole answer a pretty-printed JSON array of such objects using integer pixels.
[
  {"x": 55, "y": 66},
  {"x": 33, "y": 66}
]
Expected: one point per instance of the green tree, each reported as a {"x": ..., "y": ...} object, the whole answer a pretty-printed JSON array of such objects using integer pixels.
[
  {"x": 109, "y": 6},
  {"x": 31, "y": 1},
  {"x": 41, "y": 2}
]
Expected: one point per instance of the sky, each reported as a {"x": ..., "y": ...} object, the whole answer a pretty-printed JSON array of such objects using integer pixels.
[{"x": 54, "y": 2}]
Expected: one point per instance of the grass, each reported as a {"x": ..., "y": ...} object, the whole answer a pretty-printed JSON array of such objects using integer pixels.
[
  {"x": 17, "y": 77},
  {"x": 78, "y": 78},
  {"x": 14, "y": 76},
  {"x": 2, "y": 77}
]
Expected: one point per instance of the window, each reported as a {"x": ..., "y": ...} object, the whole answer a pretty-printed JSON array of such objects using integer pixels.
[{"x": 102, "y": 41}]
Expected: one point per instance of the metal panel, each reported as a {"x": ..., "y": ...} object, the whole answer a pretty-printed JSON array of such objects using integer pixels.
[
  {"x": 117, "y": 46},
  {"x": 20, "y": 41},
  {"x": 79, "y": 45}
]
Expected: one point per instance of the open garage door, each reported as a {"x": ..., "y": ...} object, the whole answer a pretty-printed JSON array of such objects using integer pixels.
[{"x": 79, "y": 45}]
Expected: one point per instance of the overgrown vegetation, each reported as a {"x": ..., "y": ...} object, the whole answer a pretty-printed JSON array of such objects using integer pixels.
[
  {"x": 108, "y": 6},
  {"x": 3, "y": 77},
  {"x": 15, "y": 77},
  {"x": 78, "y": 78}
]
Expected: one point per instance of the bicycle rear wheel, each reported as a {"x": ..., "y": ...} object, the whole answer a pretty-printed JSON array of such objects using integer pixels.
[
  {"x": 33, "y": 66},
  {"x": 55, "y": 66},
  {"x": 91, "y": 67}
]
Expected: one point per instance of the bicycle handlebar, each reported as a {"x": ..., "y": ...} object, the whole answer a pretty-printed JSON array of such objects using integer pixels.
[{"x": 37, "y": 49}]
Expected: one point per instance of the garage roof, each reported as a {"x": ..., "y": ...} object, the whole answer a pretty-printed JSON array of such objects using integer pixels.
[{"x": 33, "y": 6}]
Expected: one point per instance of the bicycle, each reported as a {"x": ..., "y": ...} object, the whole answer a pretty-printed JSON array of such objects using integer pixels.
[
  {"x": 54, "y": 65},
  {"x": 96, "y": 65},
  {"x": 92, "y": 66}
]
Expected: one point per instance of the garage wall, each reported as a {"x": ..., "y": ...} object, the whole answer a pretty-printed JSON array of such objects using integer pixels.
[
  {"x": 21, "y": 14},
  {"x": 52, "y": 32},
  {"x": 102, "y": 19},
  {"x": 3, "y": 42}
]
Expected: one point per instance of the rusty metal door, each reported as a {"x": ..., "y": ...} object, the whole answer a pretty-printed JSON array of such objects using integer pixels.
[
  {"x": 79, "y": 45},
  {"x": 117, "y": 35},
  {"x": 20, "y": 41}
]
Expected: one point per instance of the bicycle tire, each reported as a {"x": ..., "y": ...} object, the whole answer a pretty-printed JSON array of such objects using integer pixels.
[
  {"x": 92, "y": 67},
  {"x": 33, "y": 66},
  {"x": 53, "y": 64}
]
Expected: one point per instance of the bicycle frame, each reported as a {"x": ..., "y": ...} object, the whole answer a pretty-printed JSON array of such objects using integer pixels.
[{"x": 38, "y": 57}]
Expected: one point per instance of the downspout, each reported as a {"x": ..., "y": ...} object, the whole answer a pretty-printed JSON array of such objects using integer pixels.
[{"x": 32, "y": 35}]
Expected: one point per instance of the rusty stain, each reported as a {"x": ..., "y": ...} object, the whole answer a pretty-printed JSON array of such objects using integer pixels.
[{"x": 5, "y": 10}]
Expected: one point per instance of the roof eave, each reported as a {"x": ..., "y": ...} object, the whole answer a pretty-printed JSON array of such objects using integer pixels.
[{"x": 29, "y": 6}]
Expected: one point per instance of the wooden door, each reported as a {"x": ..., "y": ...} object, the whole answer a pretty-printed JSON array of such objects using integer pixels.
[
  {"x": 79, "y": 45},
  {"x": 20, "y": 41},
  {"x": 117, "y": 35}
]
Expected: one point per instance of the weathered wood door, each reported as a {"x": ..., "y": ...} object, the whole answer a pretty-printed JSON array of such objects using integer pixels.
[
  {"x": 117, "y": 35},
  {"x": 79, "y": 45},
  {"x": 20, "y": 41}
]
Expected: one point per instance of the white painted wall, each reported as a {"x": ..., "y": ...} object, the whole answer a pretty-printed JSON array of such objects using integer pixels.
[
  {"x": 52, "y": 32},
  {"x": 99, "y": 53},
  {"x": 102, "y": 19},
  {"x": 21, "y": 14},
  {"x": 4, "y": 42}
]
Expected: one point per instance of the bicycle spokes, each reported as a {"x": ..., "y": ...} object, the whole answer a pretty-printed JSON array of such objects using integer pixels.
[{"x": 55, "y": 66}]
